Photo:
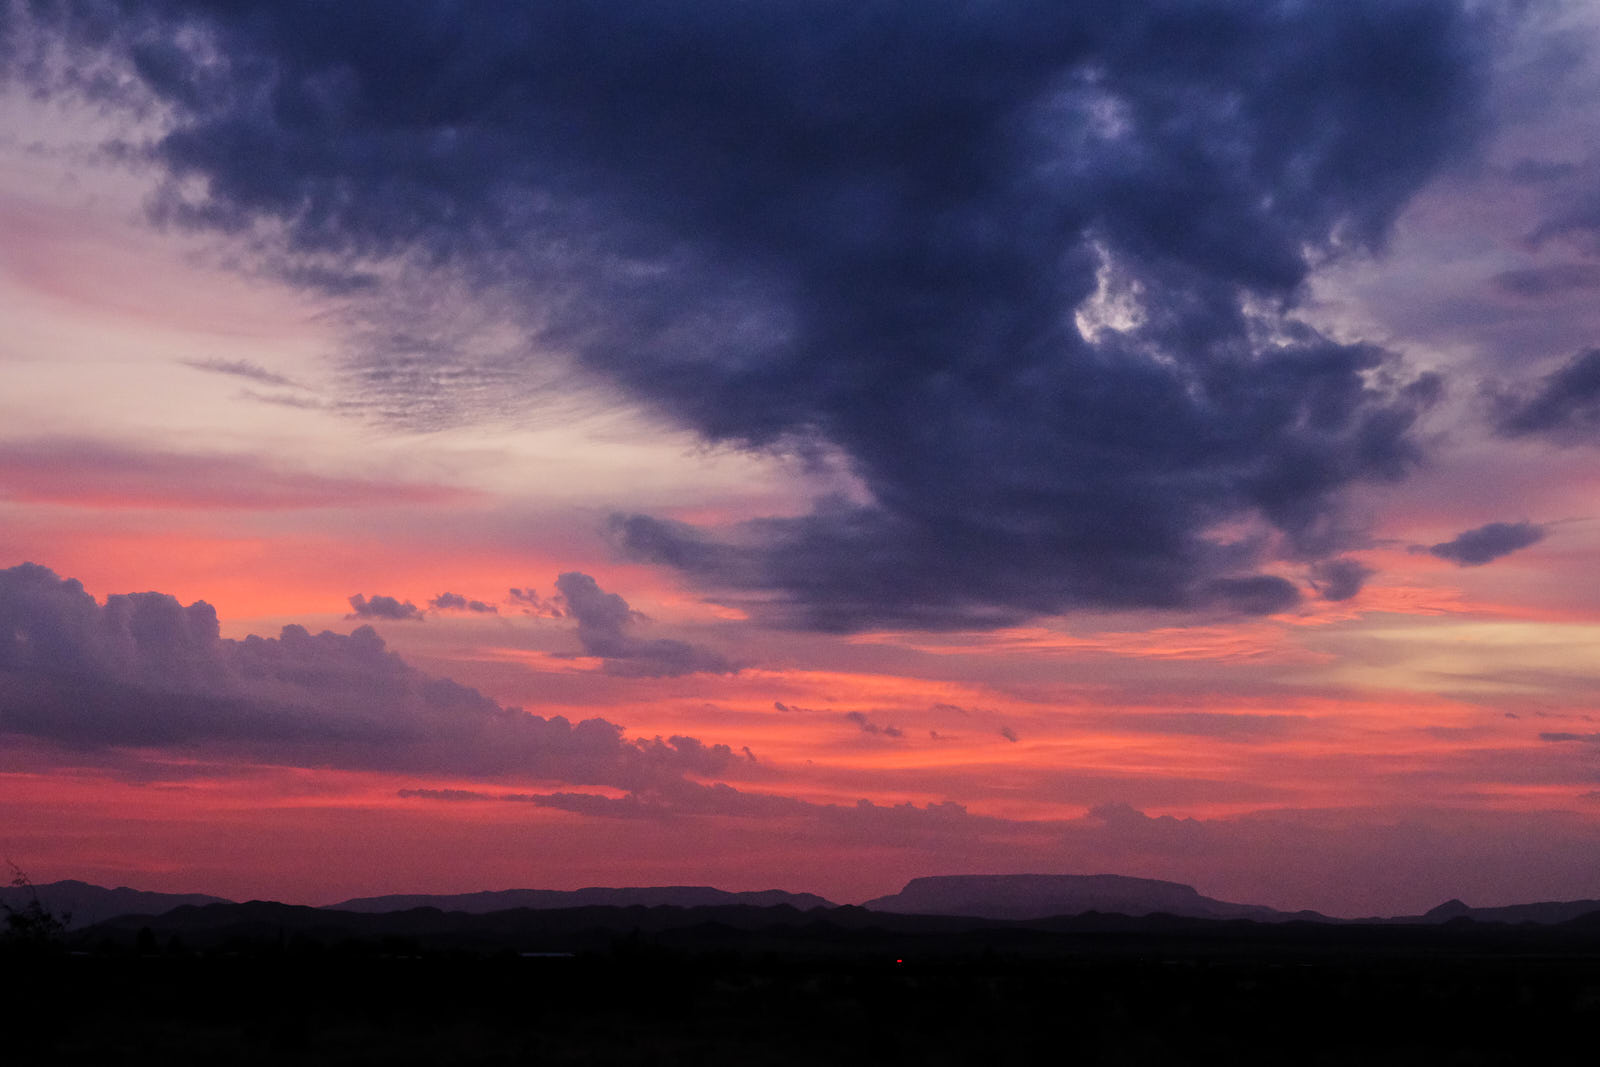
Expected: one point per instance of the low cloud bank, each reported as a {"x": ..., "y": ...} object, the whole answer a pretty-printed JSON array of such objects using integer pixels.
[{"x": 143, "y": 670}]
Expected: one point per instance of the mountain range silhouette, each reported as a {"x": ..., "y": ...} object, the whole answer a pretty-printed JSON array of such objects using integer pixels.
[
  {"x": 677, "y": 896},
  {"x": 1013, "y": 897}
]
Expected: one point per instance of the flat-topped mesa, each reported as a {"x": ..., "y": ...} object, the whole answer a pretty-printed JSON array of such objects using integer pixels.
[{"x": 1039, "y": 896}]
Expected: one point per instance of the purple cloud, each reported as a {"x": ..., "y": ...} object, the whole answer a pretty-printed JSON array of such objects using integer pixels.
[
  {"x": 384, "y": 607},
  {"x": 458, "y": 603},
  {"x": 1339, "y": 579},
  {"x": 867, "y": 726},
  {"x": 1563, "y": 406},
  {"x": 605, "y": 624},
  {"x": 1485, "y": 544},
  {"x": 529, "y": 602},
  {"x": 143, "y": 670}
]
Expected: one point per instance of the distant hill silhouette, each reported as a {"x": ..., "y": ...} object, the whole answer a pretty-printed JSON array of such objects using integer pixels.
[
  {"x": 1544, "y": 912},
  {"x": 591, "y": 928},
  {"x": 89, "y": 904},
  {"x": 677, "y": 896},
  {"x": 1041, "y": 896}
]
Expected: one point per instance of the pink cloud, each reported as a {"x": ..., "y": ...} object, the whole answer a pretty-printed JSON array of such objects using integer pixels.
[{"x": 94, "y": 474}]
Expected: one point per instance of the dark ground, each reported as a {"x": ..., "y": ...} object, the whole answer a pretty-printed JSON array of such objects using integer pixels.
[{"x": 816, "y": 993}]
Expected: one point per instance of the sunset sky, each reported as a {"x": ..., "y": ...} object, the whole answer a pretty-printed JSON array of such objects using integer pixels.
[{"x": 802, "y": 445}]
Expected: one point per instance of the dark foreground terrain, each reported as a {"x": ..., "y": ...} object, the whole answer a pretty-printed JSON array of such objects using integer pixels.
[{"x": 676, "y": 986}]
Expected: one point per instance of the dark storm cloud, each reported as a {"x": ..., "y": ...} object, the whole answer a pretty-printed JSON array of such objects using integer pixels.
[
  {"x": 605, "y": 624},
  {"x": 384, "y": 607},
  {"x": 1488, "y": 543},
  {"x": 1029, "y": 267},
  {"x": 143, "y": 671},
  {"x": 457, "y": 602},
  {"x": 1564, "y": 405}
]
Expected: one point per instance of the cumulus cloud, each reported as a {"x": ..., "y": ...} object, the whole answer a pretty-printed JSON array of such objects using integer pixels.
[
  {"x": 384, "y": 607},
  {"x": 1030, "y": 268},
  {"x": 605, "y": 629},
  {"x": 1485, "y": 544},
  {"x": 457, "y": 602},
  {"x": 143, "y": 670}
]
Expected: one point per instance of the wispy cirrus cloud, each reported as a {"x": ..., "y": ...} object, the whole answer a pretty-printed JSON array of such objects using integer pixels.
[
  {"x": 100, "y": 474},
  {"x": 243, "y": 368}
]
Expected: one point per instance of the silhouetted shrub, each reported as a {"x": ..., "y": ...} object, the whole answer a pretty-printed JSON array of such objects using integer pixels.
[{"x": 31, "y": 927}]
